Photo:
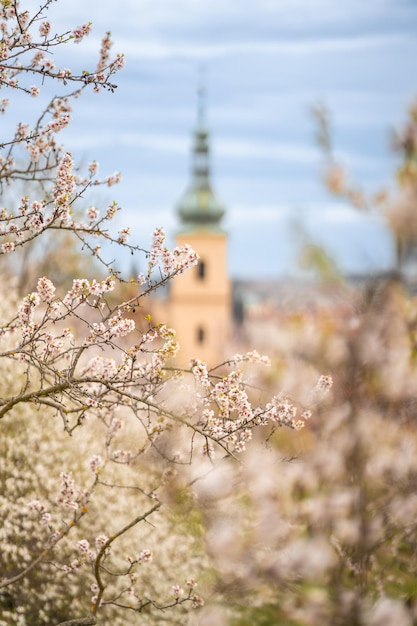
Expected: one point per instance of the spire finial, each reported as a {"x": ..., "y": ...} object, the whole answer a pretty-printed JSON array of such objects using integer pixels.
[
  {"x": 201, "y": 94},
  {"x": 199, "y": 207}
]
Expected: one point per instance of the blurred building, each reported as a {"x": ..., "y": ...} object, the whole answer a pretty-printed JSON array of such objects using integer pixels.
[
  {"x": 199, "y": 305},
  {"x": 213, "y": 316}
]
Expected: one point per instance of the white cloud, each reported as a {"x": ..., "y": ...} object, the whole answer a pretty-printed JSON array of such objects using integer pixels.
[
  {"x": 309, "y": 214},
  {"x": 164, "y": 144},
  {"x": 150, "y": 219},
  {"x": 269, "y": 150},
  {"x": 257, "y": 214},
  {"x": 170, "y": 16},
  {"x": 338, "y": 212},
  {"x": 197, "y": 29},
  {"x": 233, "y": 149},
  {"x": 147, "y": 48},
  {"x": 268, "y": 61}
]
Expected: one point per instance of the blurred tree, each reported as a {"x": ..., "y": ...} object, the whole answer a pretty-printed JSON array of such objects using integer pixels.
[{"x": 400, "y": 210}]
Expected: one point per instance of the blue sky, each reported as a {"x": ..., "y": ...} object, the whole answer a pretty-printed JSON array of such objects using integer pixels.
[{"x": 268, "y": 62}]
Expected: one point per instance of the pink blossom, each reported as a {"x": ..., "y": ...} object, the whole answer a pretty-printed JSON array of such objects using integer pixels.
[
  {"x": 96, "y": 464},
  {"x": 36, "y": 505},
  {"x": 23, "y": 19},
  {"x": 22, "y": 131},
  {"x": 93, "y": 168},
  {"x": 3, "y": 104},
  {"x": 4, "y": 52},
  {"x": 38, "y": 58},
  {"x": 67, "y": 496},
  {"x": 26, "y": 310},
  {"x": 177, "y": 591},
  {"x": 120, "y": 327},
  {"x": 48, "y": 64},
  {"x": 104, "y": 52},
  {"x": 46, "y": 289},
  {"x": 45, "y": 519},
  {"x": 81, "y": 31},
  {"x": 253, "y": 357},
  {"x": 122, "y": 456},
  {"x": 83, "y": 546},
  {"x": 196, "y": 601},
  {"x": 34, "y": 91},
  {"x": 145, "y": 556},
  {"x": 199, "y": 369},
  {"x": 64, "y": 186},
  {"x": 45, "y": 28},
  {"x": 92, "y": 213},
  {"x": 35, "y": 223},
  {"x": 114, "y": 179},
  {"x": 119, "y": 63},
  {"x": 34, "y": 153},
  {"x": 25, "y": 39},
  {"x": 94, "y": 588},
  {"x": 111, "y": 210},
  {"x": 123, "y": 235},
  {"x": 324, "y": 383},
  {"x": 8, "y": 246},
  {"x": 64, "y": 73},
  {"x": 116, "y": 424},
  {"x": 191, "y": 584}
]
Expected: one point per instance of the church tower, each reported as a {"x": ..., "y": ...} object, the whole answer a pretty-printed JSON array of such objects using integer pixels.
[{"x": 200, "y": 299}]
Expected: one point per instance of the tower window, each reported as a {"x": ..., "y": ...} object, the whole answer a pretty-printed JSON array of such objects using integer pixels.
[
  {"x": 200, "y": 335},
  {"x": 201, "y": 270}
]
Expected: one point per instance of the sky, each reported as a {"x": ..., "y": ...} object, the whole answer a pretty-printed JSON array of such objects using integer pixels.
[{"x": 267, "y": 62}]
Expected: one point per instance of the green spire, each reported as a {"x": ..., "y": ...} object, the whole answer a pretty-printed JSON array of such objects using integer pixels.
[{"x": 199, "y": 207}]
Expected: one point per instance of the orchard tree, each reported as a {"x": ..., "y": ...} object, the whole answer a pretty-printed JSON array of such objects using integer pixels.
[{"x": 103, "y": 437}]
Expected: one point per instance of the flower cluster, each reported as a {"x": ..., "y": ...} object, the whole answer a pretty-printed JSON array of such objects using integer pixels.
[
  {"x": 8, "y": 246},
  {"x": 117, "y": 326},
  {"x": 282, "y": 412},
  {"x": 69, "y": 496},
  {"x": 252, "y": 357},
  {"x": 169, "y": 263},
  {"x": 96, "y": 464},
  {"x": 64, "y": 187},
  {"x": 27, "y": 308},
  {"x": 45, "y": 28},
  {"x": 81, "y": 31},
  {"x": 324, "y": 383},
  {"x": 200, "y": 372},
  {"x": 40, "y": 508},
  {"x": 144, "y": 556},
  {"x": 46, "y": 289},
  {"x": 82, "y": 288},
  {"x": 106, "y": 45}
]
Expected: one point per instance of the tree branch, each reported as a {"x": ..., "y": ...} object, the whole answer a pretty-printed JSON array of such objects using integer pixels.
[{"x": 81, "y": 621}]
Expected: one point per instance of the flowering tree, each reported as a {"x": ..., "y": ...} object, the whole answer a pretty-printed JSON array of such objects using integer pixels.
[
  {"x": 97, "y": 423},
  {"x": 319, "y": 529}
]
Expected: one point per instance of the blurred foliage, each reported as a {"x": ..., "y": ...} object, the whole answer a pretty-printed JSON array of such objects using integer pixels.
[
  {"x": 265, "y": 615},
  {"x": 399, "y": 207},
  {"x": 318, "y": 529},
  {"x": 316, "y": 258}
]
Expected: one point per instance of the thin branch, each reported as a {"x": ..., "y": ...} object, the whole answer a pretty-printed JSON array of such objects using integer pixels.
[
  {"x": 102, "y": 552},
  {"x": 81, "y": 621}
]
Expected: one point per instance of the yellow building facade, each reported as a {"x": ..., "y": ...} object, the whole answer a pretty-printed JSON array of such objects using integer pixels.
[{"x": 199, "y": 303}]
